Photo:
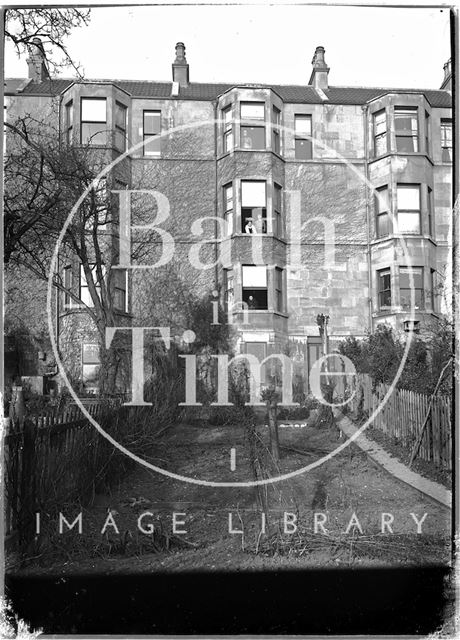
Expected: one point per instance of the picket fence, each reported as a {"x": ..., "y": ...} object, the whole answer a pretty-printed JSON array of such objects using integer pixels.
[
  {"x": 400, "y": 414},
  {"x": 53, "y": 456}
]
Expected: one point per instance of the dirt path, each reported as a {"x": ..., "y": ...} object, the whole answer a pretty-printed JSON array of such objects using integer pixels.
[{"x": 348, "y": 483}]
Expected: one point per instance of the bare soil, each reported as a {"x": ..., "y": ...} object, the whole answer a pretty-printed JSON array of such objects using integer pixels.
[{"x": 345, "y": 484}]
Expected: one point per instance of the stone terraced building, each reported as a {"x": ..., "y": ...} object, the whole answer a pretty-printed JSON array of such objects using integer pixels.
[{"x": 310, "y": 184}]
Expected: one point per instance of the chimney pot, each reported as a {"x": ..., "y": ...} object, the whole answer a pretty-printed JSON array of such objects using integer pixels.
[
  {"x": 36, "y": 61},
  {"x": 180, "y": 67},
  {"x": 319, "y": 75}
]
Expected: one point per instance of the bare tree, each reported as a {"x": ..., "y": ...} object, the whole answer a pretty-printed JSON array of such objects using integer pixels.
[{"x": 51, "y": 26}]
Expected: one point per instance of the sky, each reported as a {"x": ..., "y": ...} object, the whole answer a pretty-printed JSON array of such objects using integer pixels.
[{"x": 365, "y": 46}]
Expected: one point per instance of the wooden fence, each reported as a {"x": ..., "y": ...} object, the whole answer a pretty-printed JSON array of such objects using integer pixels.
[
  {"x": 54, "y": 459},
  {"x": 402, "y": 416}
]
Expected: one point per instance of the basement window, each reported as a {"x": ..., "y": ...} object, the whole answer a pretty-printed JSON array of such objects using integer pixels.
[
  {"x": 94, "y": 121},
  {"x": 255, "y": 287},
  {"x": 253, "y": 207}
]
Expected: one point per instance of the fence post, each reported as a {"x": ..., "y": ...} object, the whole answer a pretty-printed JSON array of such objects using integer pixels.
[{"x": 28, "y": 497}]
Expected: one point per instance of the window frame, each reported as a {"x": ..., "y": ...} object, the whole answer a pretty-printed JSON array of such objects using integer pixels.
[
  {"x": 229, "y": 212},
  {"x": 380, "y": 213},
  {"x": 258, "y": 123},
  {"x": 381, "y": 135},
  {"x": 446, "y": 132},
  {"x": 278, "y": 290},
  {"x": 383, "y": 291},
  {"x": 405, "y": 134},
  {"x": 402, "y": 186},
  {"x": 69, "y": 114},
  {"x": 92, "y": 364},
  {"x": 427, "y": 132},
  {"x": 101, "y": 122},
  {"x": 147, "y": 138},
  {"x": 433, "y": 290},
  {"x": 244, "y": 217},
  {"x": 421, "y": 289},
  {"x": 300, "y": 136},
  {"x": 227, "y": 129},
  {"x": 249, "y": 291},
  {"x": 82, "y": 286},
  {"x": 229, "y": 289},
  {"x": 68, "y": 284},
  {"x": 276, "y": 130},
  {"x": 119, "y": 129},
  {"x": 277, "y": 217},
  {"x": 429, "y": 208}
]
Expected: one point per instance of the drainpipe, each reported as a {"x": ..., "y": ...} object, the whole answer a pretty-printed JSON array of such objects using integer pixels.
[
  {"x": 365, "y": 109},
  {"x": 216, "y": 197}
]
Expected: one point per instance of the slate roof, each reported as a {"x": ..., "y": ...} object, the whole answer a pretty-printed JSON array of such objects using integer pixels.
[{"x": 208, "y": 91}]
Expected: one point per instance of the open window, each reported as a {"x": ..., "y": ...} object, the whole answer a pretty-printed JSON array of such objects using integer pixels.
[
  {"x": 255, "y": 293},
  {"x": 253, "y": 206}
]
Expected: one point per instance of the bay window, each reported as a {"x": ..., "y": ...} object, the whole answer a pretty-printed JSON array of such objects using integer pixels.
[
  {"x": 277, "y": 212},
  {"x": 279, "y": 289},
  {"x": 69, "y": 122}
]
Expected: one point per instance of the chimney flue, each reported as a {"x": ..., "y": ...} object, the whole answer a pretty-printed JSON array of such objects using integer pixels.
[
  {"x": 447, "y": 81},
  {"x": 180, "y": 68},
  {"x": 36, "y": 61},
  {"x": 320, "y": 72}
]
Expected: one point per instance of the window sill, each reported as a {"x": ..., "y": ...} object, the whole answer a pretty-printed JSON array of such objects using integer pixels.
[
  {"x": 388, "y": 154},
  {"x": 404, "y": 235},
  {"x": 261, "y": 312}
]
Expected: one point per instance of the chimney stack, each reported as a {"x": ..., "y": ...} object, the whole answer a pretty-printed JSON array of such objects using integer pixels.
[
  {"x": 36, "y": 61},
  {"x": 320, "y": 71},
  {"x": 180, "y": 67},
  {"x": 447, "y": 82}
]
